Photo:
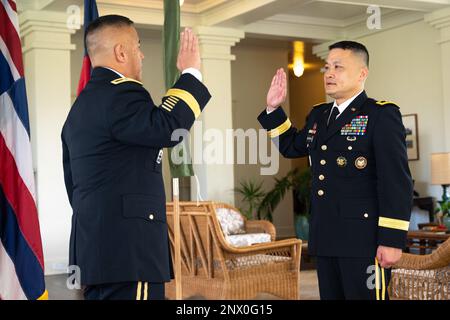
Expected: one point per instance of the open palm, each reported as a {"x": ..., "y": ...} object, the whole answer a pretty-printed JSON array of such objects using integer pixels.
[{"x": 278, "y": 90}]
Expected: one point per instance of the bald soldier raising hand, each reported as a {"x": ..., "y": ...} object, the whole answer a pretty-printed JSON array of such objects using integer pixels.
[{"x": 112, "y": 151}]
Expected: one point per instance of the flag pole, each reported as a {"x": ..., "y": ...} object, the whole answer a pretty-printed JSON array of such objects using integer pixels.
[
  {"x": 171, "y": 36},
  {"x": 177, "y": 240}
]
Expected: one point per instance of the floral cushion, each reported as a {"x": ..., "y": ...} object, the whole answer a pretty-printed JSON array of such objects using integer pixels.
[
  {"x": 248, "y": 239},
  {"x": 231, "y": 221}
]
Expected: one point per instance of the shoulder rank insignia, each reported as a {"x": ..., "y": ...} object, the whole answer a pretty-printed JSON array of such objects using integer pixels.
[
  {"x": 384, "y": 103},
  {"x": 123, "y": 80},
  {"x": 319, "y": 104}
]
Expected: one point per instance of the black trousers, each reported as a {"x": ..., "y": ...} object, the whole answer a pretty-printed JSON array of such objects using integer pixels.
[
  {"x": 125, "y": 291},
  {"x": 352, "y": 279}
]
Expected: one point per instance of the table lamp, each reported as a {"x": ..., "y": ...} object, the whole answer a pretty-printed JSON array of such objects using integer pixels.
[{"x": 440, "y": 172}]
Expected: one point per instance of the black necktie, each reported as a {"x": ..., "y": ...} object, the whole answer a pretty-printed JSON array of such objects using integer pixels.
[{"x": 334, "y": 113}]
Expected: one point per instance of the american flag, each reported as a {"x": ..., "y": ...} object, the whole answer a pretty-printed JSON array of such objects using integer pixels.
[{"x": 21, "y": 257}]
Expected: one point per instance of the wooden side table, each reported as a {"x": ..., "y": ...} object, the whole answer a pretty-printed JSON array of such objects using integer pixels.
[{"x": 425, "y": 240}]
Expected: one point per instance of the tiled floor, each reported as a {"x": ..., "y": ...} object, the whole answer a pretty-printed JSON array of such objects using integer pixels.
[
  {"x": 309, "y": 286},
  {"x": 57, "y": 289},
  {"x": 56, "y": 286}
]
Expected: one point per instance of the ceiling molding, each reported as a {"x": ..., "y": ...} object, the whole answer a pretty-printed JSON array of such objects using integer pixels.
[
  {"x": 439, "y": 19},
  {"x": 208, "y": 5},
  {"x": 316, "y": 21},
  {"x": 392, "y": 20},
  {"x": 329, "y": 29},
  {"x": 43, "y": 3},
  {"x": 32, "y": 4},
  {"x": 145, "y": 17},
  {"x": 263, "y": 18},
  {"x": 410, "y": 5},
  {"x": 389, "y": 21},
  {"x": 299, "y": 30},
  {"x": 237, "y": 13},
  {"x": 198, "y": 8},
  {"x": 231, "y": 9},
  {"x": 338, "y": 23}
]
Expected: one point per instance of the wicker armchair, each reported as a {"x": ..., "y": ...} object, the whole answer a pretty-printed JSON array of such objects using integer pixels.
[
  {"x": 425, "y": 277},
  {"x": 213, "y": 269}
]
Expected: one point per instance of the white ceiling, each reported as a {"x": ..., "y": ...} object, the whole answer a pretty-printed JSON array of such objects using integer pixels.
[
  {"x": 327, "y": 10},
  {"x": 317, "y": 20},
  {"x": 193, "y": 1}
]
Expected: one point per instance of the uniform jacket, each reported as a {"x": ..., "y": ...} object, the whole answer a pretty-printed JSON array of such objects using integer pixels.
[
  {"x": 362, "y": 190},
  {"x": 112, "y": 151}
]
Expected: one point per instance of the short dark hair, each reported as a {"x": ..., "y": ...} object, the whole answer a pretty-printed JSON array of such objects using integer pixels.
[
  {"x": 111, "y": 20},
  {"x": 353, "y": 46}
]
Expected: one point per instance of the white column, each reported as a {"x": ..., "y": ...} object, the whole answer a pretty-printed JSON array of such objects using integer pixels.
[
  {"x": 441, "y": 20},
  {"x": 46, "y": 51},
  {"x": 216, "y": 179}
]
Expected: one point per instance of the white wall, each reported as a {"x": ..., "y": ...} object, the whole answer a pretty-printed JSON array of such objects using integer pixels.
[
  {"x": 406, "y": 69},
  {"x": 252, "y": 72},
  {"x": 46, "y": 54},
  {"x": 47, "y": 115}
]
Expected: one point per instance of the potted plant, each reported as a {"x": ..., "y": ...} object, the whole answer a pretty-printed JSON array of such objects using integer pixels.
[
  {"x": 444, "y": 211},
  {"x": 273, "y": 197},
  {"x": 261, "y": 205},
  {"x": 302, "y": 202},
  {"x": 252, "y": 194}
]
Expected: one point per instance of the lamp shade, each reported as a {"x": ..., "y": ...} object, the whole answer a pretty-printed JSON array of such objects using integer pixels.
[{"x": 440, "y": 168}]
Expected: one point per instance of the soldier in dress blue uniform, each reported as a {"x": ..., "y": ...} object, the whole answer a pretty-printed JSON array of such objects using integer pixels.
[
  {"x": 112, "y": 151},
  {"x": 361, "y": 188}
]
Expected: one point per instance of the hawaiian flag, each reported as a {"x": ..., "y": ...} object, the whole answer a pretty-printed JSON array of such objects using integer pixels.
[
  {"x": 90, "y": 14},
  {"x": 21, "y": 257}
]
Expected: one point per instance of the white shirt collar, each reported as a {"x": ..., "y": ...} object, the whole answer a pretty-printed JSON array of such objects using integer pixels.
[
  {"x": 345, "y": 104},
  {"x": 118, "y": 73}
]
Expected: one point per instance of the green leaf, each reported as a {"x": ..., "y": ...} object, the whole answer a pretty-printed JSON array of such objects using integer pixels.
[{"x": 251, "y": 193}]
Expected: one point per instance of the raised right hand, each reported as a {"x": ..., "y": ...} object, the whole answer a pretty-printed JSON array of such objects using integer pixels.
[
  {"x": 277, "y": 91},
  {"x": 189, "y": 54}
]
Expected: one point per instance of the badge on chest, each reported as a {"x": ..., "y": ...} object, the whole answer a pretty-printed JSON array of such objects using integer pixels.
[
  {"x": 160, "y": 156},
  {"x": 311, "y": 134},
  {"x": 357, "y": 127}
]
